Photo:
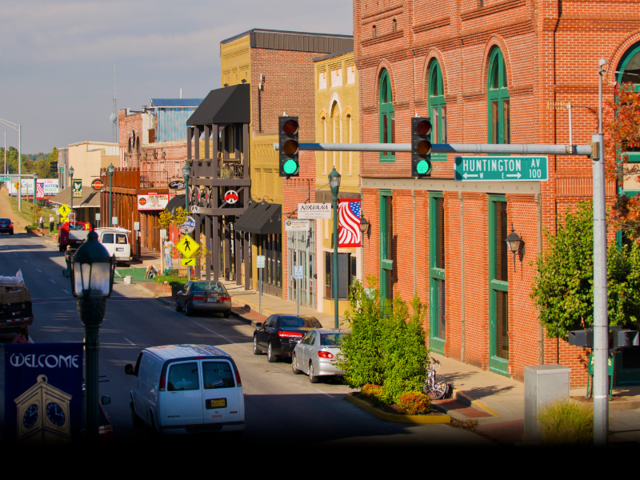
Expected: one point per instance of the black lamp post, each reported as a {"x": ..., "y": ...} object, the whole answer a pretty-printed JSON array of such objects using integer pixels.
[
  {"x": 92, "y": 272},
  {"x": 111, "y": 169},
  {"x": 334, "y": 183},
  {"x": 185, "y": 175},
  {"x": 514, "y": 243},
  {"x": 35, "y": 187},
  {"x": 71, "y": 189}
]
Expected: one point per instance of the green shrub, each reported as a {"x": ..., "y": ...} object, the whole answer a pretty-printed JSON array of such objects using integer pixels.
[
  {"x": 171, "y": 280},
  {"x": 414, "y": 403},
  {"x": 566, "y": 422}
]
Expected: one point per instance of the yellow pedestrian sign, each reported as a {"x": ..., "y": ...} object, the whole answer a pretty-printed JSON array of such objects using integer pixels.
[
  {"x": 187, "y": 246},
  {"x": 64, "y": 219},
  {"x": 188, "y": 262},
  {"x": 64, "y": 211}
]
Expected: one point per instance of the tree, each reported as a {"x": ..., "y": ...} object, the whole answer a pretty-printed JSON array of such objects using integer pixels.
[{"x": 563, "y": 285}]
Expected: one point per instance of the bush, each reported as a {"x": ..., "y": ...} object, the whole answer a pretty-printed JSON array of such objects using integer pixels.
[
  {"x": 566, "y": 422},
  {"x": 375, "y": 393},
  {"x": 174, "y": 281},
  {"x": 413, "y": 403}
]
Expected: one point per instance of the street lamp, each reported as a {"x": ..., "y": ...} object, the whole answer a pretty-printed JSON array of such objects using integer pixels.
[
  {"x": 185, "y": 174},
  {"x": 514, "y": 243},
  {"x": 71, "y": 187},
  {"x": 92, "y": 272},
  {"x": 35, "y": 187},
  {"x": 111, "y": 169},
  {"x": 334, "y": 183}
]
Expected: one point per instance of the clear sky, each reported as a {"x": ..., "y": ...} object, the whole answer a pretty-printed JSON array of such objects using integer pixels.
[{"x": 57, "y": 56}]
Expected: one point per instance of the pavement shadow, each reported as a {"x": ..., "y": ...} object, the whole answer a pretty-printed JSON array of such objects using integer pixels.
[{"x": 480, "y": 392}]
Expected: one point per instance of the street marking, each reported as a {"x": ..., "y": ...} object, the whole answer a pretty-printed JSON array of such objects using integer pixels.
[
  {"x": 129, "y": 341},
  {"x": 222, "y": 336},
  {"x": 39, "y": 270},
  {"x": 66, "y": 291},
  {"x": 51, "y": 280}
]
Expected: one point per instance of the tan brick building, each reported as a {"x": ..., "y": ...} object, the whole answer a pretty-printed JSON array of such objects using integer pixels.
[{"x": 485, "y": 72}]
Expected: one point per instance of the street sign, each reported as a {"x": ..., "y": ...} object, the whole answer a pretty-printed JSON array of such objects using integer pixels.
[
  {"x": 97, "y": 184},
  {"x": 188, "y": 226},
  {"x": 64, "y": 210},
  {"x": 5, "y": 179},
  {"x": 298, "y": 272},
  {"x": 17, "y": 185},
  {"x": 492, "y": 168},
  {"x": 187, "y": 246},
  {"x": 260, "y": 261},
  {"x": 188, "y": 262}
]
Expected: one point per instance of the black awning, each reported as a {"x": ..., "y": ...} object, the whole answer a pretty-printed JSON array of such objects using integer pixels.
[
  {"x": 175, "y": 202},
  {"x": 224, "y": 105},
  {"x": 261, "y": 218}
]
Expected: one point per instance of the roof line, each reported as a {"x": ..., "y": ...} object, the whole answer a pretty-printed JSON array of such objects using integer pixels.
[{"x": 287, "y": 32}]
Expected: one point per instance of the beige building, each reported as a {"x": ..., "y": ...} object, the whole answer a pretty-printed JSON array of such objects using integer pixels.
[{"x": 87, "y": 158}]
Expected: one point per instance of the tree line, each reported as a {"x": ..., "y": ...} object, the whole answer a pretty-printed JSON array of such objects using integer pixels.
[{"x": 39, "y": 163}]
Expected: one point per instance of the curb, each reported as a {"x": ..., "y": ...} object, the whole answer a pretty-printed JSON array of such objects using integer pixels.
[
  {"x": 393, "y": 417},
  {"x": 464, "y": 398}
]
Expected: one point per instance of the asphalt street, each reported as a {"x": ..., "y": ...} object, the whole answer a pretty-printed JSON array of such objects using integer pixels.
[{"x": 279, "y": 405}]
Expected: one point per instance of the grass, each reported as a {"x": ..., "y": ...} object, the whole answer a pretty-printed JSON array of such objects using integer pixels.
[
  {"x": 566, "y": 422},
  {"x": 27, "y": 211}
]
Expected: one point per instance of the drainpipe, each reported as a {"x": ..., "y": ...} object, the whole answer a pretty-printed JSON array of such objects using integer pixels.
[
  {"x": 540, "y": 328},
  {"x": 462, "y": 351},
  {"x": 415, "y": 273}
]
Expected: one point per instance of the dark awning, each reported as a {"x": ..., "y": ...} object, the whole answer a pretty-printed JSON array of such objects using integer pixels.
[
  {"x": 175, "y": 202},
  {"x": 261, "y": 218},
  {"x": 224, "y": 105}
]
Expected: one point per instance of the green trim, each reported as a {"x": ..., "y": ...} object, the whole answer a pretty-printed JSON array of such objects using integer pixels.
[
  {"x": 626, "y": 58},
  {"x": 498, "y": 93},
  {"x": 496, "y": 364},
  {"x": 437, "y": 101},
  {"x": 386, "y": 264},
  {"x": 436, "y": 276},
  {"x": 386, "y": 109}
]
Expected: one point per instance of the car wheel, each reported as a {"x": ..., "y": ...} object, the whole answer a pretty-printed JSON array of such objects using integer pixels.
[
  {"x": 256, "y": 350},
  {"x": 187, "y": 311},
  {"x": 271, "y": 357},
  {"x": 226, "y": 314},
  {"x": 137, "y": 421},
  {"x": 312, "y": 376},
  {"x": 294, "y": 365},
  {"x": 178, "y": 307}
]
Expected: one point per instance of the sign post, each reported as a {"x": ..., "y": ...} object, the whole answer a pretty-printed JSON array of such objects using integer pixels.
[
  {"x": 298, "y": 274},
  {"x": 260, "y": 262}
]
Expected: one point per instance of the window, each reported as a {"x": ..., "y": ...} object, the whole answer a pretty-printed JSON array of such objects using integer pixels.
[
  {"x": 629, "y": 72},
  {"x": 217, "y": 375},
  {"x": 387, "y": 116},
  {"x": 387, "y": 244},
  {"x": 344, "y": 275},
  {"x": 374, "y": 33},
  {"x": 183, "y": 376},
  {"x": 437, "y": 272},
  {"x": 437, "y": 110},
  {"x": 498, "y": 96},
  {"x": 498, "y": 286},
  {"x": 107, "y": 238}
]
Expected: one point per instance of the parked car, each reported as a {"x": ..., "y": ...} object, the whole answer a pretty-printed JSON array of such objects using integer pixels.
[
  {"x": 186, "y": 389},
  {"x": 279, "y": 334},
  {"x": 116, "y": 241},
  {"x": 203, "y": 296},
  {"x": 6, "y": 225},
  {"x": 317, "y": 354}
]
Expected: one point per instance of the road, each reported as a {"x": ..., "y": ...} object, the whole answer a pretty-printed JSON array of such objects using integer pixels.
[{"x": 279, "y": 405}]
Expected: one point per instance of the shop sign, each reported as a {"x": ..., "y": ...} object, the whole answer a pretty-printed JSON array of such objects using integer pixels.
[
  {"x": 97, "y": 184},
  {"x": 188, "y": 226},
  {"x": 296, "y": 226},
  {"x": 153, "y": 201},
  {"x": 176, "y": 185},
  {"x": 231, "y": 197},
  {"x": 314, "y": 211}
]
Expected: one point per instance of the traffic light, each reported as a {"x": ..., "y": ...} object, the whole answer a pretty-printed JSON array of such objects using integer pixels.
[
  {"x": 53, "y": 168},
  {"x": 288, "y": 129},
  {"x": 420, "y": 147}
]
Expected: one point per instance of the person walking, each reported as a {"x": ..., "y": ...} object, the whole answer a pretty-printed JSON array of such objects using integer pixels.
[
  {"x": 51, "y": 222},
  {"x": 168, "y": 247}
]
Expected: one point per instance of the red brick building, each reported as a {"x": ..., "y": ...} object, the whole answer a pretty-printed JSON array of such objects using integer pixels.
[{"x": 485, "y": 72}]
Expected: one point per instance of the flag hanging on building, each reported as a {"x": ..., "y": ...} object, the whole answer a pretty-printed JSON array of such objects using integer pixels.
[{"x": 349, "y": 223}]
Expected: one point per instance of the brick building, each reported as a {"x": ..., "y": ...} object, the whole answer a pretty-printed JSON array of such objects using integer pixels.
[{"x": 485, "y": 72}]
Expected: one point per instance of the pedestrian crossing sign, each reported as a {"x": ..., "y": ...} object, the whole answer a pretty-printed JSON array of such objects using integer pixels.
[
  {"x": 187, "y": 246},
  {"x": 188, "y": 262},
  {"x": 64, "y": 211}
]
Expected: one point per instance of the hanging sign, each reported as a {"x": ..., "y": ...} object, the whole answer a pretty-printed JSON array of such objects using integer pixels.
[
  {"x": 176, "y": 185},
  {"x": 296, "y": 226},
  {"x": 97, "y": 184},
  {"x": 231, "y": 197},
  {"x": 314, "y": 211},
  {"x": 77, "y": 188}
]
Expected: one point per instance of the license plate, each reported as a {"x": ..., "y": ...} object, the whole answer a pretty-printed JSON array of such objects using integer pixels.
[
  {"x": 120, "y": 249},
  {"x": 217, "y": 403},
  {"x": 213, "y": 299}
]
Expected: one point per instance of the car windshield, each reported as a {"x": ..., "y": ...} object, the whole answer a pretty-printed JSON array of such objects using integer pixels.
[
  {"x": 5, "y": 220},
  {"x": 331, "y": 339},
  {"x": 203, "y": 287},
  {"x": 76, "y": 226},
  {"x": 299, "y": 322}
]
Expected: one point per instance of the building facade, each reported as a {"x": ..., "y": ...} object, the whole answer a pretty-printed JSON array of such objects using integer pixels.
[{"x": 484, "y": 72}]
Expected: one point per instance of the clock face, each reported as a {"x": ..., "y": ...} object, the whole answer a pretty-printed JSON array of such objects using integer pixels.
[
  {"x": 30, "y": 416},
  {"x": 55, "y": 414}
]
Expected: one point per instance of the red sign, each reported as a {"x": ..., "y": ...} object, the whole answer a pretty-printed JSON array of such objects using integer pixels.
[
  {"x": 97, "y": 184},
  {"x": 231, "y": 197}
]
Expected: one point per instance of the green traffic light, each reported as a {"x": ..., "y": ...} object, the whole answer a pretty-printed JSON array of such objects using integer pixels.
[
  {"x": 290, "y": 167},
  {"x": 423, "y": 167}
]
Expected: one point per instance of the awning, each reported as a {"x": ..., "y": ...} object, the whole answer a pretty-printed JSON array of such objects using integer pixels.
[
  {"x": 223, "y": 106},
  {"x": 90, "y": 198},
  {"x": 261, "y": 218},
  {"x": 175, "y": 202}
]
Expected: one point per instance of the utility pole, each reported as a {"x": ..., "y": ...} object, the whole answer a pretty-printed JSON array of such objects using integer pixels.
[{"x": 17, "y": 127}]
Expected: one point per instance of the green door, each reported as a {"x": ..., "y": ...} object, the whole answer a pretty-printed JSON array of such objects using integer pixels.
[
  {"x": 386, "y": 245},
  {"x": 437, "y": 319}
]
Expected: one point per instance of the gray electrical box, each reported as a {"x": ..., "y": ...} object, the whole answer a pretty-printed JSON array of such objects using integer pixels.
[{"x": 543, "y": 384}]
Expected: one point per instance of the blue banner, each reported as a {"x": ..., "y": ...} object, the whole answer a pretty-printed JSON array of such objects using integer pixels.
[{"x": 43, "y": 392}]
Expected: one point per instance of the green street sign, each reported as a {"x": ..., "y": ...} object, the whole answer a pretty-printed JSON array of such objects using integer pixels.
[
  {"x": 5, "y": 179},
  {"x": 492, "y": 168}
]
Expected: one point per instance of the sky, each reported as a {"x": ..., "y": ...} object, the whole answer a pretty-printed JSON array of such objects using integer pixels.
[{"x": 57, "y": 57}]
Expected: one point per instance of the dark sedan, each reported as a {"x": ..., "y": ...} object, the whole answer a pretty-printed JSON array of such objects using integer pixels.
[
  {"x": 279, "y": 334},
  {"x": 6, "y": 225},
  {"x": 204, "y": 296}
]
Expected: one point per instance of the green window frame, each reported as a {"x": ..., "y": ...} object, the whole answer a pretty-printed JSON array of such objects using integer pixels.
[
  {"x": 387, "y": 116},
  {"x": 386, "y": 245},
  {"x": 498, "y": 286},
  {"x": 629, "y": 71},
  {"x": 437, "y": 285},
  {"x": 499, "y": 104},
  {"x": 437, "y": 109}
]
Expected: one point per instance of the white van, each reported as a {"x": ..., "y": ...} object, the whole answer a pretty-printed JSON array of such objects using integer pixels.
[
  {"x": 186, "y": 388},
  {"x": 116, "y": 241}
]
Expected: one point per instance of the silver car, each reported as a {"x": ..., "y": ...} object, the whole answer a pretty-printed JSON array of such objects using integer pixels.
[
  {"x": 203, "y": 296},
  {"x": 317, "y": 353}
]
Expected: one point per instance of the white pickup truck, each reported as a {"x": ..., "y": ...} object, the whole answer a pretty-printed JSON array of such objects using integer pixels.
[{"x": 116, "y": 241}]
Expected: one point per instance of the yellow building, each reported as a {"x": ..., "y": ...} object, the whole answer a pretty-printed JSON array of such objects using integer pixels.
[{"x": 336, "y": 98}]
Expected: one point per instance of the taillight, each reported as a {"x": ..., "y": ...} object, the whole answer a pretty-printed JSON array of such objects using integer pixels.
[
  {"x": 199, "y": 298},
  {"x": 105, "y": 432},
  {"x": 225, "y": 299},
  {"x": 238, "y": 381},
  {"x": 328, "y": 355},
  {"x": 163, "y": 382},
  {"x": 285, "y": 334}
]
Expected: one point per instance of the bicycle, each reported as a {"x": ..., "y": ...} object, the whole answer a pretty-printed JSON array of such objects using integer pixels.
[{"x": 435, "y": 386}]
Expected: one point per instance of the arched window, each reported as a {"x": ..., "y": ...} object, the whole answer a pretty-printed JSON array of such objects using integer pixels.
[
  {"x": 387, "y": 116},
  {"x": 437, "y": 109},
  {"x": 629, "y": 69},
  {"x": 498, "y": 96}
]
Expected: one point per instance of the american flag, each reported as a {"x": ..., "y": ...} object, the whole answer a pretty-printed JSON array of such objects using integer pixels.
[
  {"x": 349, "y": 223},
  {"x": 39, "y": 190}
]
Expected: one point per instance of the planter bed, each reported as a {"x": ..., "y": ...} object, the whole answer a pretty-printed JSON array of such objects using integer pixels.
[{"x": 390, "y": 414}]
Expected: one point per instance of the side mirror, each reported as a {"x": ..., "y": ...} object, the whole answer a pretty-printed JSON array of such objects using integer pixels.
[
  {"x": 106, "y": 400},
  {"x": 128, "y": 369}
]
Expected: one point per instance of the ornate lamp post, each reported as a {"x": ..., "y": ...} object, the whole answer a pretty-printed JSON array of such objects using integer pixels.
[
  {"x": 92, "y": 272},
  {"x": 334, "y": 183},
  {"x": 71, "y": 187},
  {"x": 35, "y": 187},
  {"x": 111, "y": 169},
  {"x": 185, "y": 174}
]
